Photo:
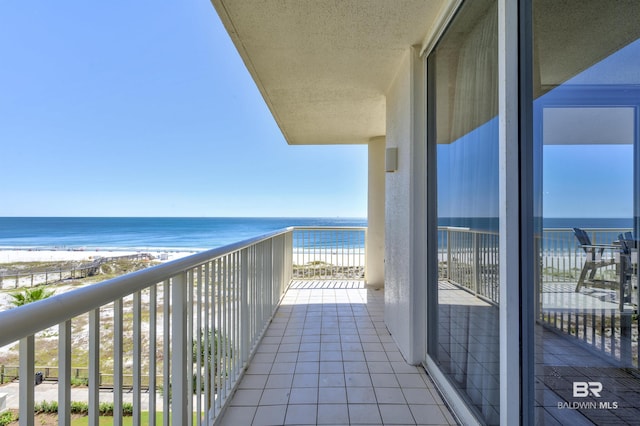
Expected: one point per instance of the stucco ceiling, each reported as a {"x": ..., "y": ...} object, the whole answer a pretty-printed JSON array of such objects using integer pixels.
[{"x": 323, "y": 66}]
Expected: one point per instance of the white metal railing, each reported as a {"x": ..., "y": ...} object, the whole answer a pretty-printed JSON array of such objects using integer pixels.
[
  {"x": 183, "y": 331},
  {"x": 562, "y": 258},
  {"x": 194, "y": 321},
  {"x": 470, "y": 259},
  {"x": 610, "y": 331},
  {"x": 329, "y": 253}
]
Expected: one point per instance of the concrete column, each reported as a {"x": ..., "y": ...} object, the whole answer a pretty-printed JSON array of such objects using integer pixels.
[{"x": 375, "y": 213}]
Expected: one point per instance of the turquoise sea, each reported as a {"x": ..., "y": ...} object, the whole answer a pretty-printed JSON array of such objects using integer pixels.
[
  {"x": 113, "y": 233},
  {"x": 196, "y": 234}
]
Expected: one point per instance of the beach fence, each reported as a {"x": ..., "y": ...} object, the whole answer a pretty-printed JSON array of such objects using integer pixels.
[
  {"x": 16, "y": 279},
  {"x": 79, "y": 376}
]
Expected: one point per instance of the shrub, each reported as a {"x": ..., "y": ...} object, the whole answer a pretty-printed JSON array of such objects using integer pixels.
[
  {"x": 30, "y": 295},
  {"x": 127, "y": 409},
  {"x": 6, "y": 418},
  {"x": 209, "y": 353},
  {"x": 46, "y": 407},
  {"x": 79, "y": 407},
  {"x": 106, "y": 409},
  {"x": 79, "y": 381}
]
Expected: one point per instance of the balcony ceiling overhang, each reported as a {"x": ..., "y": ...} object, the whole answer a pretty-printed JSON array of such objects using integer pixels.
[{"x": 324, "y": 66}]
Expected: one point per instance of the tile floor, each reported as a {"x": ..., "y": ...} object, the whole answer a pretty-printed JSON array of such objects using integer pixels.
[{"x": 328, "y": 359}]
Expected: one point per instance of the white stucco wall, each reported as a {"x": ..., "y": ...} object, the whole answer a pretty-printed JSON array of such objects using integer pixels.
[
  {"x": 404, "y": 275},
  {"x": 375, "y": 213}
]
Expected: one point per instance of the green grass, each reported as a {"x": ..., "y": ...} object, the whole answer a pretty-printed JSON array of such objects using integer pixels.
[{"x": 108, "y": 420}]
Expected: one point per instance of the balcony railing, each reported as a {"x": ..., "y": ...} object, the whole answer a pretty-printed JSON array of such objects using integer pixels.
[
  {"x": 183, "y": 331},
  {"x": 470, "y": 260},
  {"x": 329, "y": 253}
]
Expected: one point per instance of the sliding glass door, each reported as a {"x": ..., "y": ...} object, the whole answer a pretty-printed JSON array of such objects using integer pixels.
[
  {"x": 463, "y": 123},
  {"x": 586, "y": 102}
]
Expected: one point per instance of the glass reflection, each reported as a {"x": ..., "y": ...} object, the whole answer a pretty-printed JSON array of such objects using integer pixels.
[
  {"x": 587, "y": 98},
  {"x": 464, "y": 73}
]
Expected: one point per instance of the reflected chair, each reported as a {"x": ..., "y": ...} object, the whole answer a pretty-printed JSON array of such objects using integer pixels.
[
  {"x": 594, "y": 261},
  {"x": 628, "y": 268}
]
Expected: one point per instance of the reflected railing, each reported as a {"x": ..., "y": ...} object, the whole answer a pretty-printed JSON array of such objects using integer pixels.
[
  {"x": 604, "y": 318},
  {"x": 602, "y": 314},
  {"x": 470, "y": 259},
  {"x": 182, "y": 332}
]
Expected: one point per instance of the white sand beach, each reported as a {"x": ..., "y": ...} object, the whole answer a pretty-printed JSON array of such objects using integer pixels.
[{"x": 13, "y": 256}]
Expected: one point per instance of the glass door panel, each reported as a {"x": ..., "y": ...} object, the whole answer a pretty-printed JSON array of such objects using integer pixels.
[
  {"x": 586, "y": 105},
  {"x": 464, "y": 338}
]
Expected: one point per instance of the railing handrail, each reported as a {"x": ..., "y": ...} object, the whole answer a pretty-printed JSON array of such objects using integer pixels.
[
  {"x": 329, "y": 228},
  {"x": 29, "y": 319},
  {"x": 593, "y": 230},
  {"x": 467, "y": 230}
]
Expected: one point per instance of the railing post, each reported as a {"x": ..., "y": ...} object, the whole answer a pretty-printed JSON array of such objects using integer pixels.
[
  {"x": 152, "y": 353},
  {"x": 117, "y": 362},
  {"x": 166, "y": 348},
  {"x": 137, "y": 357},
  {"x": 476, "y": 263},
  {"x": 448, "y": 254},
  {"x": 271, "y": 283},
  {"x": 64, "y": 373},
  {"x": 179, "y": 342},
  {"x": 94, "y": 366},
  {"x": 244, "y": 307},
  {"x": 366, "y": 260},
  {"x": 27, "y": 371}
]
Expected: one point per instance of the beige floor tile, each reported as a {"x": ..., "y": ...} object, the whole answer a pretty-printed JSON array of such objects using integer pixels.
[
  {"x": 333, "y": 414},
  {"x": 364, "y": 414},
  {"x": 327, "y": 358},
  {"x": 336, "y": 395},
  {"x": 396, "y": 414},
  {"x": 301, "y": 414}
]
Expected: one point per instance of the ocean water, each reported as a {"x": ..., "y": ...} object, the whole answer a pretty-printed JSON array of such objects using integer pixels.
[{"x": 193, "y": 234}]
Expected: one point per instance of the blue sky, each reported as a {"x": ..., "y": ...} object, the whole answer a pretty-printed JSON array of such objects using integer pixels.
[{"x": 145, "y": 109}]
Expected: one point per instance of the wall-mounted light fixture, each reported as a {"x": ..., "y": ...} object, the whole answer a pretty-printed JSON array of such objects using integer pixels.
[{"x": 391, "y": 160}]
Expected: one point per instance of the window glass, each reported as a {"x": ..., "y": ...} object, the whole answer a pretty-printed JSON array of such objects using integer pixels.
[
  {"x": 586, "y": 89},
  {"x": 463, "y": 72}
]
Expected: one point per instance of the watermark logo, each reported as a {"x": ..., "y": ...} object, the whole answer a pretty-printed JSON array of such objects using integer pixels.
[{"x": 585, "y": 389}]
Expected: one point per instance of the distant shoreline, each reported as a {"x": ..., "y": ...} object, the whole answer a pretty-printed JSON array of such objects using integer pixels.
[
  {"x": 15, "y": 255},
  {"x": 145, "y": 234}
]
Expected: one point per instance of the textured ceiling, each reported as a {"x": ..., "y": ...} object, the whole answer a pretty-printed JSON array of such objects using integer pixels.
[{"x": 323, "y": 67}]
